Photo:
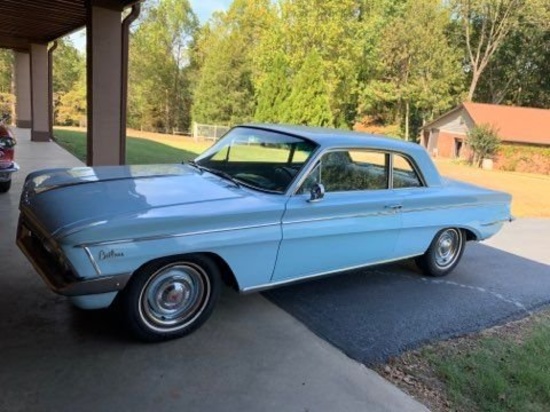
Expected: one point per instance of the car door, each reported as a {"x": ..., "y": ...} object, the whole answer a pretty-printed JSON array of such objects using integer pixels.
[
  {"x": 423, "y": 209},
  {"x": 357, "y": 222}
]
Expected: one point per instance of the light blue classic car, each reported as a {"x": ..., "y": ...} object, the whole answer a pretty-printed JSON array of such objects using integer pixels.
[{"x": 263, "y": 207}]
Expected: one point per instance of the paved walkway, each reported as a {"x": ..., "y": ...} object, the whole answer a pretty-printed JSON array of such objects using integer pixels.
[{"x": 251, "y": 356}]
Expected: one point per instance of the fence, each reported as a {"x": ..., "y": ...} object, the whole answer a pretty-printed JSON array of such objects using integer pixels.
[{"x": 208, "y": 131}]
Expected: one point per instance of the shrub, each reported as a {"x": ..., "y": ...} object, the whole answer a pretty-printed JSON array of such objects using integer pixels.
[
  {"x": 523, "y": 158},
  {"x": 484, "y": 143}
]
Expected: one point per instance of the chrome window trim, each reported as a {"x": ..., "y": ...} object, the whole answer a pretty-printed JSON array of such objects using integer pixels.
[
  {"x": 299, "y": 180},
  {"x": 415, "y": 168},
  {"x": 288, "y": 190}
]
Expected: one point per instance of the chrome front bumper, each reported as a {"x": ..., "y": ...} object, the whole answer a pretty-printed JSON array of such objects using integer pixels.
[{"x": 60, "y": 278}]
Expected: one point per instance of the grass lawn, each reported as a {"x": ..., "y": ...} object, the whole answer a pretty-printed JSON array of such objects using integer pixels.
[
  {"x": 500, "y": 374},
  {"x": 138, "y": 150},
  {"x": 506, "y": 368}
]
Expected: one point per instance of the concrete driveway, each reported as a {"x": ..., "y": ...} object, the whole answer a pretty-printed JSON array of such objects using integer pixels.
[{"x": 251, "y": 356}]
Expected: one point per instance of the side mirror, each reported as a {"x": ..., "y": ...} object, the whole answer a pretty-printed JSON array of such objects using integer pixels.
[{"x": 317, "y": 192}]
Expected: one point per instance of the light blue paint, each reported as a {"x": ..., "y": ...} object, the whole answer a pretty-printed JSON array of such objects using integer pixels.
[{"x": 112, "y": 220}]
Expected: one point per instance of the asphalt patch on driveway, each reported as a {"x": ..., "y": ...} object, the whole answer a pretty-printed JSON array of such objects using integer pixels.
[{"x": 373, "y": 314}]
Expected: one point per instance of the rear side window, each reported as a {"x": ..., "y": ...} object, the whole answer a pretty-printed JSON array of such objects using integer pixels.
[{"x": 404, "y": 174}]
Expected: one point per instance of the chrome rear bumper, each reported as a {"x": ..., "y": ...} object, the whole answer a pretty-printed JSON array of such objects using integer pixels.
[{"x": 7, "y": 171}]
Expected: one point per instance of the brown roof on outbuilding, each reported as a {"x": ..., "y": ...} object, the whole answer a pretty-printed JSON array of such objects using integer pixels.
[{"x": 513, "y": 123}]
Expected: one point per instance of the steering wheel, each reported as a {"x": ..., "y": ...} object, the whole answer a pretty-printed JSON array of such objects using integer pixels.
[{"x": 285, "y": 170}]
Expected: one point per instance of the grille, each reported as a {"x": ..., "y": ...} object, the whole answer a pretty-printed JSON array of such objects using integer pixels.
[{"x": 45, "y": 256}]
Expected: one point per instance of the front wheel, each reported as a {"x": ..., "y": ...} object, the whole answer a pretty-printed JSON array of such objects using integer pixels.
[
  {"x": 443, "y": 254},
  {"x": 5, "y": 186},
  {"x": 170, "y": 299}
]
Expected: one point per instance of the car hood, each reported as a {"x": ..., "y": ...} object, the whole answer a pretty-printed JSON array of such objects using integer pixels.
[{"x": 64, "y": 200}]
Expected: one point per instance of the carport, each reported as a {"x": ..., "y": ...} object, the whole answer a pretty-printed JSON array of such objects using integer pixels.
[{"x": 31, "y": 28}]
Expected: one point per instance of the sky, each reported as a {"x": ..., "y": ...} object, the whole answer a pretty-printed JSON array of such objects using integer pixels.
[{"x": 202, "y": 8}]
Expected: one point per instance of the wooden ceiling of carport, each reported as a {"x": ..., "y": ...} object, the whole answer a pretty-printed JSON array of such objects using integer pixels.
[{"x": 23, "y": 22}]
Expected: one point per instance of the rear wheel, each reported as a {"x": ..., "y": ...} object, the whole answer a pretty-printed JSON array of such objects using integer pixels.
[
  {"x": 443, "y": 254},
  {"x": 5, "y": 186},
  {"x": 170, "y": 299}
]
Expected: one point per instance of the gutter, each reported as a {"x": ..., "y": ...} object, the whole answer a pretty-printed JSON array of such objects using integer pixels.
[{"x": 134, "y": 14}]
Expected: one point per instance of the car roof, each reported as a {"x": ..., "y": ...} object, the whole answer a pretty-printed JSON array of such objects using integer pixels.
[{"x": 328, "y": 137}]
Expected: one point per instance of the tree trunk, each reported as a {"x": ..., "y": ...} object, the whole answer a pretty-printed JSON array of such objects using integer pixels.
[
  {"x": 473, "y": 85},
  {"x": 407, "y": 115}
]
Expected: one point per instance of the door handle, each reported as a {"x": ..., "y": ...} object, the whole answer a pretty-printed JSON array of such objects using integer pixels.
[{"x": 393, "y": 207}]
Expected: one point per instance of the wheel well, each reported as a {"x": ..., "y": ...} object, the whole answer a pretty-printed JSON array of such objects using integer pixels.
[
  {"x": 228, "y": 276},
  {"x": 470, "y": 235}
]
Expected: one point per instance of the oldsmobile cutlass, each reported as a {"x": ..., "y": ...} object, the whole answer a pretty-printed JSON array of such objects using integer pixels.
[{"x": 264, "y": 206}]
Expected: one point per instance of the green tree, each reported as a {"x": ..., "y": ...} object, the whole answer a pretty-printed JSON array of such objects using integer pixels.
[
  {"x": 69, "y": 83},
  {"x": 419, "y": 74},
  {"x": 224, "y": 91},
  {"x": 486, "y": 24},
  {"x": 332, "y": 28},
  {"x": 159, "y": 90},
  {"x": 518, "y": 72},
  {"x": 272, "y": 96},
  {"x": 484, "y": 142},
  {"x": 308, "y": 103},
  {"x": 70, "y": 107},
  {"x": 68, "y": 66},
  {"x": 6, "y": 70},
  {"x": 7, "y": 98}
]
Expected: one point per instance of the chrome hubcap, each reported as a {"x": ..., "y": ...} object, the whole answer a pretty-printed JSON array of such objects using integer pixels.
[
  {"x": 448, "y": 247},
  {"x": 174, "y": 297}
]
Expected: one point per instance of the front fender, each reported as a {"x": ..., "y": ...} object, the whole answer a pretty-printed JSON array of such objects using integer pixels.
[{"x": 250, "y": 252}]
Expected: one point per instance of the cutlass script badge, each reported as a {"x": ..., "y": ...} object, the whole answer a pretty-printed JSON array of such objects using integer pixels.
[{"x": 109, "y": 254}]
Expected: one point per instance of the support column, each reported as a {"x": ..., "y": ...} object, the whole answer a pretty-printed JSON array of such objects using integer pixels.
[
  {"x": 104, "y": 76},
  {"x": 40, "y": 104},
  {"x": 23, "y": 117}
]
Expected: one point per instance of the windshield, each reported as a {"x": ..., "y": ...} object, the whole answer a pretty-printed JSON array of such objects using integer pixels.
[{"x": 261, "y": 159}]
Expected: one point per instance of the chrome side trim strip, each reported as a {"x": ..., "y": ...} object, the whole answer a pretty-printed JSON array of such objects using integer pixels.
[
  {"x": 284, "y": 282},
  {"x": 465, "y": 205},
  {"x": 175, "y": 235},
  {"x": 77, "y": 229},
  {"x": 94, "y": 263},
  {"x": 381, "y": 213},
  {"x": 351, "y": 216},
  {"x": 496, "y": 222}
]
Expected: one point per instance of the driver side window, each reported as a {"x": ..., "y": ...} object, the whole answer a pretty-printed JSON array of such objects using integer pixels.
[{"x": 350, "y": 170}]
